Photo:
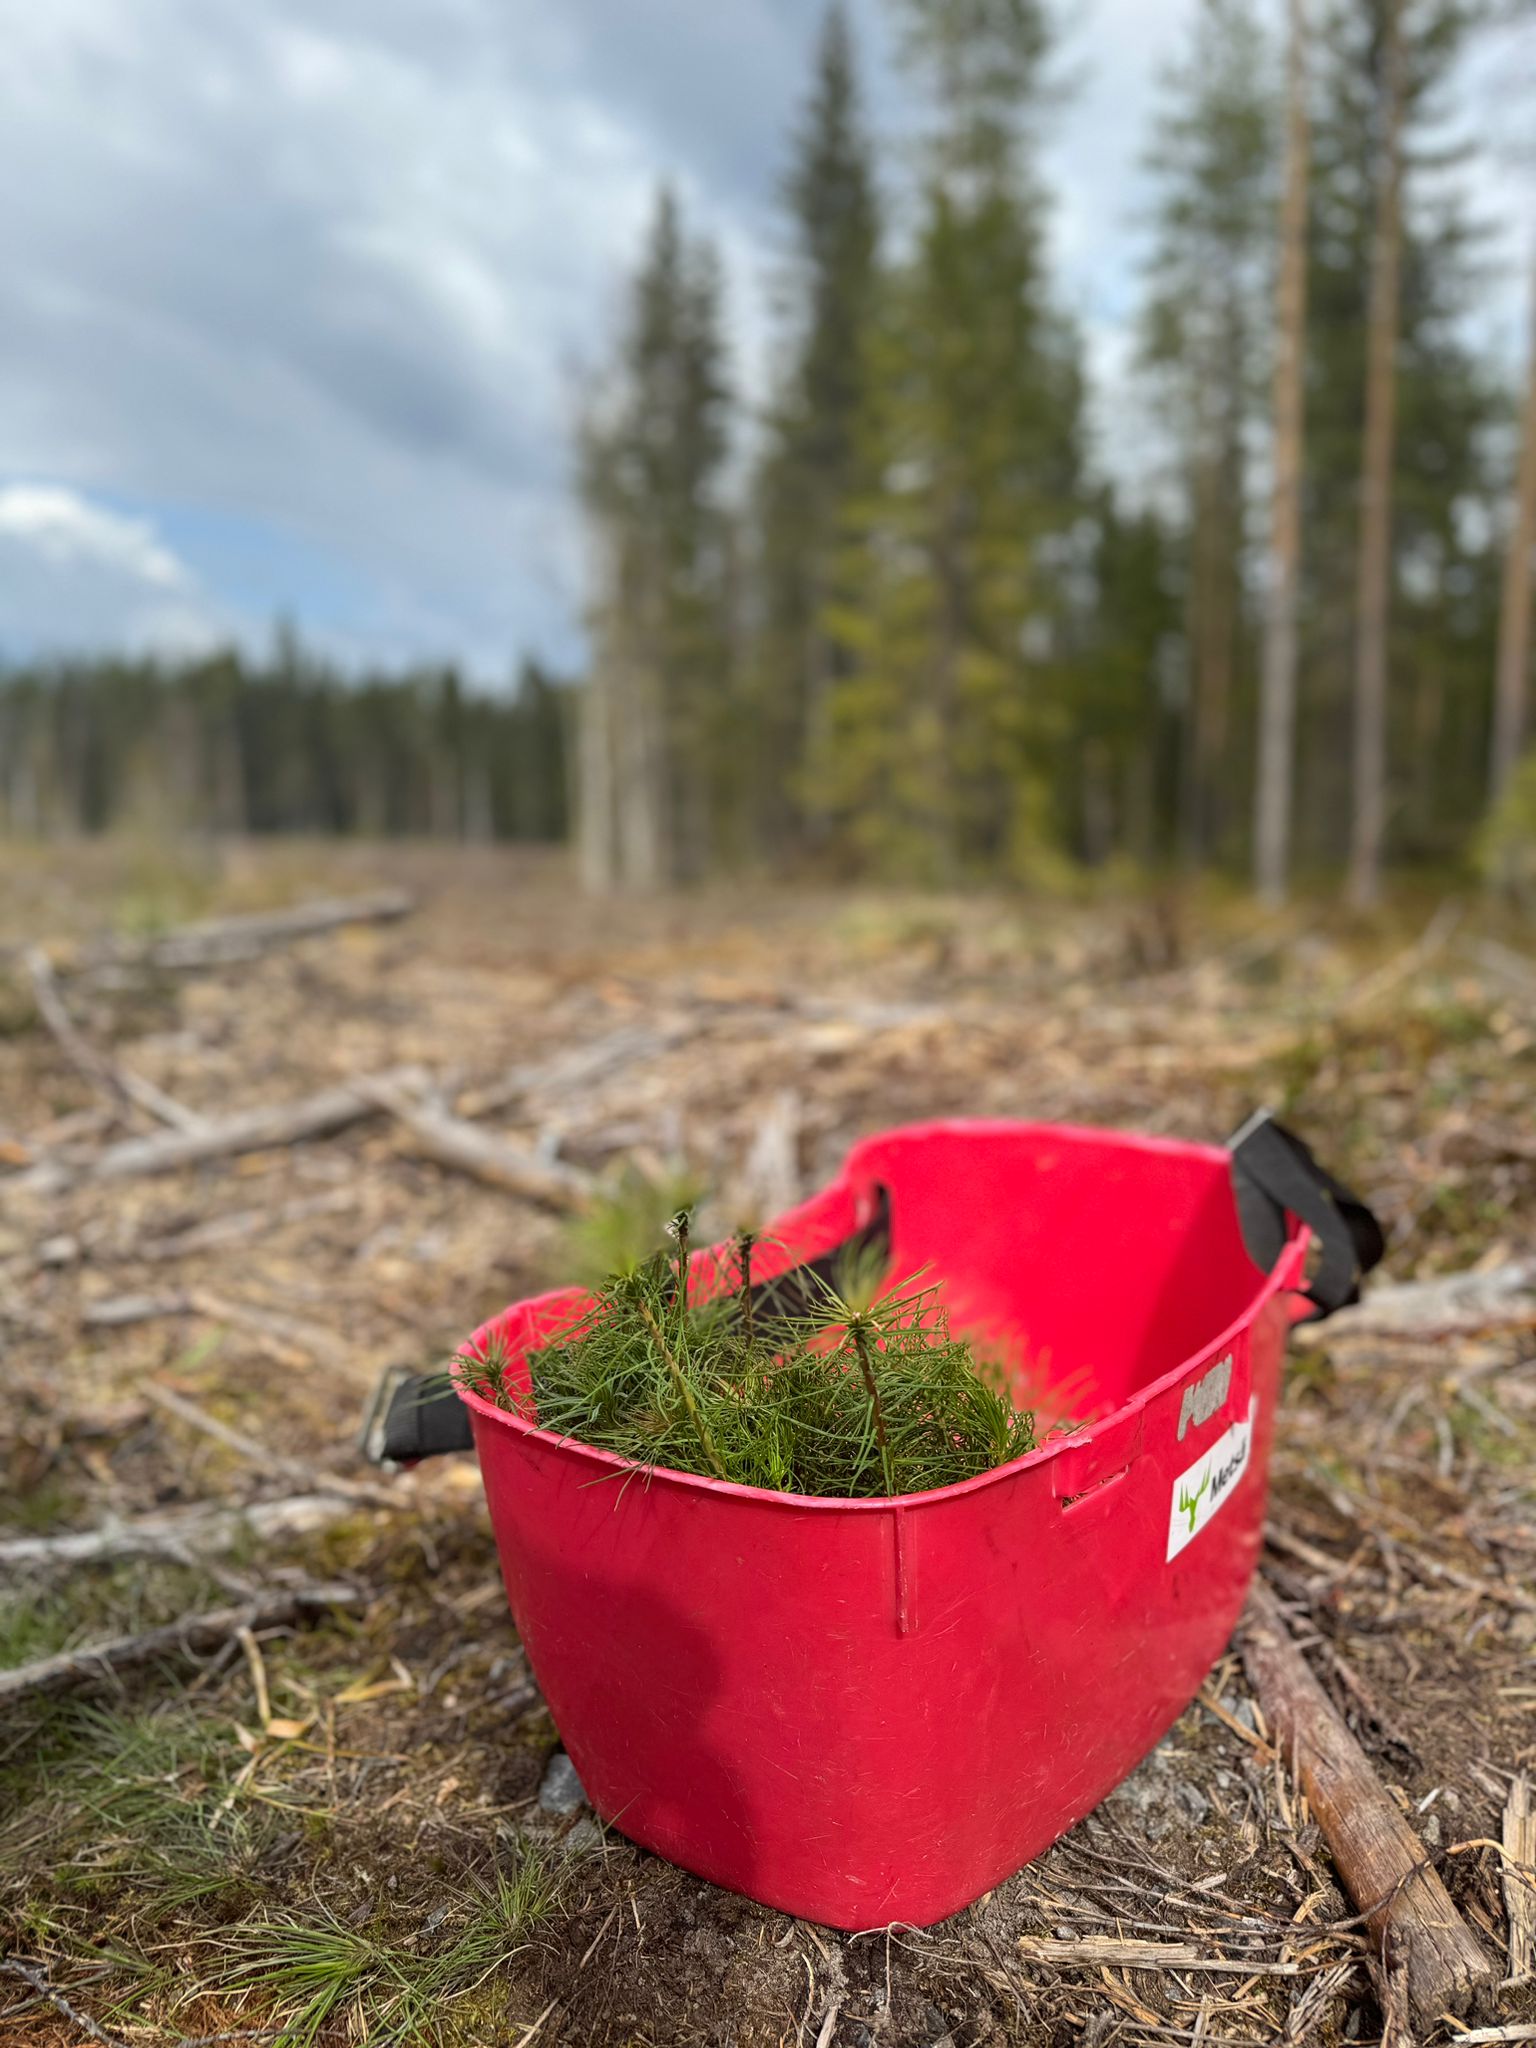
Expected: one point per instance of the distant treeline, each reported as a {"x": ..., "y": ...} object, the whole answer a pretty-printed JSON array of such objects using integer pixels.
[{"x": 230, "y": 744}]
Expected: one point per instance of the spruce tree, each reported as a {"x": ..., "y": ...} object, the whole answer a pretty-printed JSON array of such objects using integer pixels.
[
  {"x": 1442, "y": 570},
  {"x": 657, "y": 753},
  {"x": 1205, "y": 339},
  {"x": 1274, "y": 778},
  {"x": 807, "y": 468},
  {"x": 948, "y": 602}
]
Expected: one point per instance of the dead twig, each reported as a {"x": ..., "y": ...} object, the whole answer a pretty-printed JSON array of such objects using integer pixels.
[
  {"x": 98, "y": 1663},
  {"x": 1102, "y": 1951},
  {"x": 223, "y": 941},
  {"x": 37, "y": 1980},
  {"x": 288, "y": 1337},
  {"x": 1405, "y": 963},
  {"x": 243, "y": 1223},
  {"x": 1380, "y": 1859},
  {"x": 249, "y": 1130},
  {"x": 1451, "y": 1305},
  {"x": 258, "y": 1454},
  {"x": 1520, "y": 1878},
  {"x": 181, "y": 1533},
  {"x": 582, "y": 1066},
  {"x": 120, "y": 1087},
  {"x": 464, "y": 1148}
]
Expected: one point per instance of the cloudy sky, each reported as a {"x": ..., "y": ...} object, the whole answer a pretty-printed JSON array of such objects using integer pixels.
[{"x": 297, "y": 292}]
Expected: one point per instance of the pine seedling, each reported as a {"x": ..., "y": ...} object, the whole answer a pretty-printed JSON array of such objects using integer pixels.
[{"x": 867, "y": 1394}]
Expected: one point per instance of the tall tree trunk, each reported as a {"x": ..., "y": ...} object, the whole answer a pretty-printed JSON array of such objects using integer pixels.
[
  {"x": 1373, "y": 590},
  {"x": 597, "y": 774},
  {"x": 1512, "y": 675},
  {"x": 1277, "y": 686},
  {"x": 1212, "y": 627}
]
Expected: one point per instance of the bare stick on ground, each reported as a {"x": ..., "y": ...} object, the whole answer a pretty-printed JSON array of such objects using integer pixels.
[
  {"x": 37, "y": 1981},
  {"x": 248, "y": 1130},
  {"x": 1520, "y": 1878},
  {"x": 115, "y": 1083},
  {"x": 259, "y": 1454},
  {"x": 219, "y": 942},
  {"x": 1425, "y": 1943},
  {"x": 484, "y": 1156},
  {"x": 98, "y": 1664},
  {"x": 287, "y": 1337},
  {"x": 199, "y": 1532},
  {"x": 1450, "y": 1305}
]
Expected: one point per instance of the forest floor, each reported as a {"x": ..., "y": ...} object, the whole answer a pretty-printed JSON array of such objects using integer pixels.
[{"x": 329, "y": 1829}]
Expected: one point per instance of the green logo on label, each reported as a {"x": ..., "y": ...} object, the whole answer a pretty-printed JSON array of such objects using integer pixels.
[{"x": 1189, "y": 1503}]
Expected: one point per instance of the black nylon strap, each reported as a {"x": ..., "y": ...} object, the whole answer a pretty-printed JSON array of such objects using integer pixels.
[
  {"x": 798, "y": 1291},
  {"x": 418, "y": 1415},
  {"x": 1275, "y": 1174},
  {"x": 413, "y": 1415}
]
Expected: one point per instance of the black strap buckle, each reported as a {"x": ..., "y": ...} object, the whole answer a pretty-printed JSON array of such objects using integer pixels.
[{"x": 1275, "y": 1174}]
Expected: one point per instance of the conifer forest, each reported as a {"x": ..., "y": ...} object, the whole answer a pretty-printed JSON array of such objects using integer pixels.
[{"x": 901, "y": 614}]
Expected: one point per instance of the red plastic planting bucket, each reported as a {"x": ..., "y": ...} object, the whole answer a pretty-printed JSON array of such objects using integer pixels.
[{"x": 866, "y": 1711}]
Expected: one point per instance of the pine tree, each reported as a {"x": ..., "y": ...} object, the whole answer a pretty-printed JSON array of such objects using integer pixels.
[
  {"x": 657, "y": 744},
  {"x": 1512, "y": 677},
  {"x": 1277, "y": 688},
  {"x": 1205, "y": 339},
  {"x": 807, "y": 468},
  {"x": 1116, "y": 780},
  {"x": 948, "y": 603},
  {"x": 1373, "y": 592},
  {"x": 1441, "y": 586}
]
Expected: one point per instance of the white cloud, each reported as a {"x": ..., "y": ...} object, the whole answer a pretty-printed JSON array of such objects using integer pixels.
[
  {"x": 76, "y": 575},
  {"x": 66, "y": 531}
]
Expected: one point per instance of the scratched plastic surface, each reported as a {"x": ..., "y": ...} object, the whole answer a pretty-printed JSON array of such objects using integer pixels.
[{"x": 872, "y": 1711}]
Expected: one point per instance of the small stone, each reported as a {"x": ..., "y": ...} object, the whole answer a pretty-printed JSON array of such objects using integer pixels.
[
  {"x": 561, "y": 1790},
  {"x": 58, "y": 1251},
  {"x": 1193, "y": 1801}
]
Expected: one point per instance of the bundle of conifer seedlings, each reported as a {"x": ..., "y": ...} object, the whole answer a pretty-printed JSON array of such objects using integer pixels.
[{"x": 862, "y": 1394}]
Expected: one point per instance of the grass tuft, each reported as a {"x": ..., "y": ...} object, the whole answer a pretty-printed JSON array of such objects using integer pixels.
[{"x": 312, "y": 1973}]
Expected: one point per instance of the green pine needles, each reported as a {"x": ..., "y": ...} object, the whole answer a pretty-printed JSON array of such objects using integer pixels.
[{"x": 862, "y": 1395}]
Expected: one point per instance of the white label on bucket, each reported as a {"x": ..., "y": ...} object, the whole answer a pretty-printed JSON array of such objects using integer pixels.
[{"x": 1209, "y": 1483}]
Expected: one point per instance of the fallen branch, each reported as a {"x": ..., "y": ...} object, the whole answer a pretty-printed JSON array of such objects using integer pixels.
[
  {"x": 498, "y": 1161},
  {"x": 248, "y": 1130},
  {"x": 115, "y": 1083},
  {"x": 243, "y": 1223},
  {"x": 1096, "y": 1951},
  {"x": 223, "y": 941},
  {"x": 194, "y": 1635},
  {"x": 580, "y": 1066},
  {"x": 1516, "y": 970},
  {"x": 38, "y": 1983},
  {"x": 179, "y": 1533},
  {"x": 1520, "y": 1878},
  {"x": 1381, "y": 1860},
  {"x": 259, "y": 1454},
  {"x": 288, "y": 1338},
  {"x": 1451, "y": 1305},
  {"x": 1404, "y": 964}
]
